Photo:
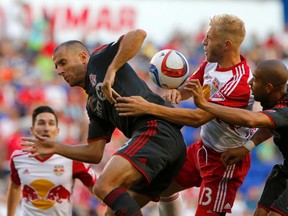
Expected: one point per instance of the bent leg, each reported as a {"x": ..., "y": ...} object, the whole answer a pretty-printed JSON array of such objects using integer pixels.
[
  {"x": 170, "y": 203},
  {"x": 139, "y": 198},
  {"x": 111, "y": 187}
]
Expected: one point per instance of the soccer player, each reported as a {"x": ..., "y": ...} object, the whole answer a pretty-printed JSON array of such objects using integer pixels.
[
  {"x": 224, "y": 76},
  {"x": 269, "y": 86},
  {"x": 46, "y": 181},
  {"x": 155, "y": 152}
]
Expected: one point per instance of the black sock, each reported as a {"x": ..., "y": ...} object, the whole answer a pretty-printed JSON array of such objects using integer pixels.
[{"x": 122, "y": 203}]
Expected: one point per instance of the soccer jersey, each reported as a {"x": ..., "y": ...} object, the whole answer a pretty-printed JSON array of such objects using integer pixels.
[
  {"x": 103, "y": 115},
  {"x": 47, "y": 184},
  {"x": 274, "y": 196},
  {"x": 227, "y": 87},
  {"x": 156, "y": 148},
  {"x": 279, "y": 117}
]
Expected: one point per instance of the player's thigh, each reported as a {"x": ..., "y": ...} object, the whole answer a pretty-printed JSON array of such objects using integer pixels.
[{"x": 118, "y": 172}]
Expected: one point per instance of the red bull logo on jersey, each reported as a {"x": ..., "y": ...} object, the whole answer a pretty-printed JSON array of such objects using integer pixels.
[
  {"x": 58, "y": 169},
  {"x": 43, "y": 194},
  {"x": 215, "y": 85}
]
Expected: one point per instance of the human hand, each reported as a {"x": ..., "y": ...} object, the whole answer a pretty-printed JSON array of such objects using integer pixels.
[
  {"x": 131, "y": 106},
  {"x": 172, "y": 96},
  {"x": 233, "y": 155},
  {"x": 38, "y": 146},
  {"x": 108, "y": 92},
  {"x": 194, "y": 86}
]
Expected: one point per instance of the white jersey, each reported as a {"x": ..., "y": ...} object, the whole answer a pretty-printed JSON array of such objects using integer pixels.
[
  {"x": 47, "y": 184},
  {"x": 227, "y": 87}
]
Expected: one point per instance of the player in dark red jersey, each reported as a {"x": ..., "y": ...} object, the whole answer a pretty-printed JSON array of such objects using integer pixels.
[
  {"x": 224, "y": 75},
  {"x": 269, "y": 86},
  {"x": 155, "y": 152}
]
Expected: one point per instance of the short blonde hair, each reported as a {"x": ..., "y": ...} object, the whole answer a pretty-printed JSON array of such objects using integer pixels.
[{"x": 229, "y": 25}]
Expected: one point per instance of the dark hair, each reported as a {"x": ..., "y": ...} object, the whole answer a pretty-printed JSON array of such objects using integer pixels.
[
  {"x": 43, "y": 109},
  {"x": 72, "y": 44}
]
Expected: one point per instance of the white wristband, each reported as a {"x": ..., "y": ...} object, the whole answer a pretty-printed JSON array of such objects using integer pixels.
[{"x": 249, "y": 145}]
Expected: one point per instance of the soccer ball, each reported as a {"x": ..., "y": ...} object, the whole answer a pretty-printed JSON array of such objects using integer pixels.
[{"x": 169, "y": 69}]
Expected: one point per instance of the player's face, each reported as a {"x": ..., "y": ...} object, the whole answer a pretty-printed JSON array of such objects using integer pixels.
[
  {"x": 212, "y": 45},
  {"x": 45, "y": 125},
  {"x": 258, "y": 87},
  {"x": 70, "y": 66}
]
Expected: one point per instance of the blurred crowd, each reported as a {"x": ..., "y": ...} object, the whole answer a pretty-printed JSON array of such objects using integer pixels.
[{"x": 28, "y": 79}]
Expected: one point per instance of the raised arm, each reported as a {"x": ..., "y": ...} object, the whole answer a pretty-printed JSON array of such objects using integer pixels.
[
  {"x": 230, "y": 115},
  {"x": 130, "y": 44}
]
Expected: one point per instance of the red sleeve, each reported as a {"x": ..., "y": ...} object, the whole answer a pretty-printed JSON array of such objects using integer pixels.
[
  {"x": 84, "y": 172},
  {"x": 14, "y": 174}
]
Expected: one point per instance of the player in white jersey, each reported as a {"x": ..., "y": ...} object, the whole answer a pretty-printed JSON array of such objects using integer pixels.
[
  {"x": 45, "y": 182},
  {"x": 224, "y": 76}
]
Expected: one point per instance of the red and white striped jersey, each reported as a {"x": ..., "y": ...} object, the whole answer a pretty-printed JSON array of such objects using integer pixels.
[
  {"x": 47, "y": 184},
  {"x": 228, "y": 87}
]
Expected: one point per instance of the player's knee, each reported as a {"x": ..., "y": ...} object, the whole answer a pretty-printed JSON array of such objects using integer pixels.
[
  {"x": 109, "y": 212},
  {"x": 169, "y": 198},
  {"x": 100, "y": 190}
]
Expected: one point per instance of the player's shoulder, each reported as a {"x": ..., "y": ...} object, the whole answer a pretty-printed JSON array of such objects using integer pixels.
[{"x": 19, "y": 153}]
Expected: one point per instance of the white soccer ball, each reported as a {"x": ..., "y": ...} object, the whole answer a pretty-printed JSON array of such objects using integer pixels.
[{"x": 169, "y": 69}]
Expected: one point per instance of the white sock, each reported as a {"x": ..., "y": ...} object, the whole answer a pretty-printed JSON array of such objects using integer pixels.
[{"x": 170, "y": 206}]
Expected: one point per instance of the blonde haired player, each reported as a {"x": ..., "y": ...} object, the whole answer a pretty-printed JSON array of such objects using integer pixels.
[{"x": 225, "y": 75}]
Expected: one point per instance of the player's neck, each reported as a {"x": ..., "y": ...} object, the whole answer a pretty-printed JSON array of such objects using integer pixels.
[{"x": 229, "y": 61}]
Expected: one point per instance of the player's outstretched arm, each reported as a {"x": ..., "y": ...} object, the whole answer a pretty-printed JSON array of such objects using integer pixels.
[
  {"x": 237, "y": 116},
  {"x": 130, "y": 44},
  {"x": 136, "y": 105},
  {"x": 89, "y": 153}
]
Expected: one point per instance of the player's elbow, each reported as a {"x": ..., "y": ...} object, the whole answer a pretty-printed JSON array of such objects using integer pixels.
[
  {"x": 250, "y": 124},
  {"x": 140, "y": 33},
  {"x": 253, "y": 123},
  {"x": 198, "y": 120},
  {"x": 193, "y": 122},
  {"x": 96, "y": 159},
  {"x": 196, "y": 123},
  {"x": 93, "y": 157}
]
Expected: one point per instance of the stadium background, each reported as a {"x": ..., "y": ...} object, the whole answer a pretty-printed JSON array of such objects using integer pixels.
[{"x": 29, "y": 30}]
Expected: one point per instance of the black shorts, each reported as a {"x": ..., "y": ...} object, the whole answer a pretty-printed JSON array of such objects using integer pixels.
[
  {"x": 281, "y": 204},
  {"x": 275, "y": 193},
  {"x": 158, "y": 151}
]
